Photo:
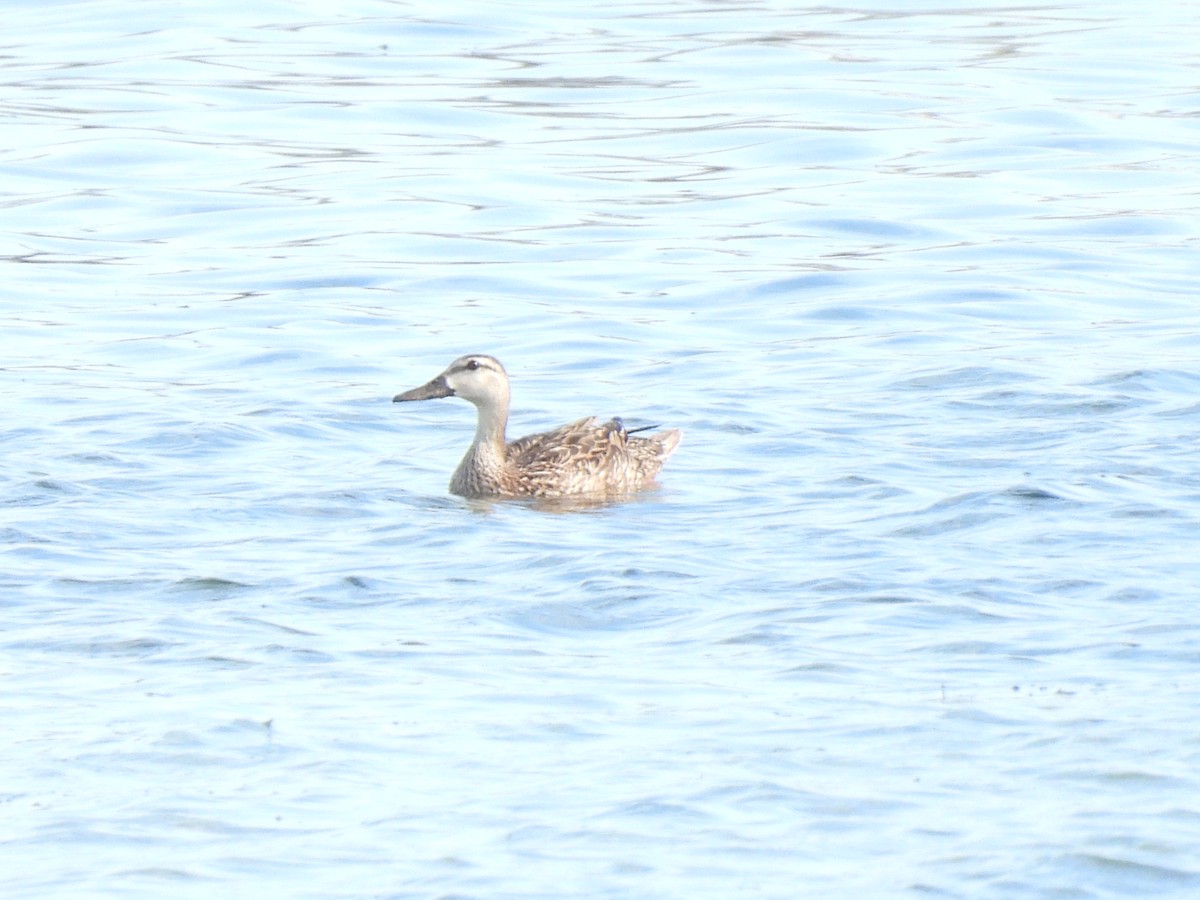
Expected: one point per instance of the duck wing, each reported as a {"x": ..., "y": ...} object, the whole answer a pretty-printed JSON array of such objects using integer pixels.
[{"x": 588, "y": 456}]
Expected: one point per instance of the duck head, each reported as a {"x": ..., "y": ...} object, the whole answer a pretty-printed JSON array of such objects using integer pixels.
[{"x": 475, "y": 377}]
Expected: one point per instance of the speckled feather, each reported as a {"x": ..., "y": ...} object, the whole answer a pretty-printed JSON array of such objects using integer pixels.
[{"x": 584, "y": 457}]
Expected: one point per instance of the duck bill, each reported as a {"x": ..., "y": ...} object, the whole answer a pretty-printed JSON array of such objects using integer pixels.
[{"x": 433, "y": 390}]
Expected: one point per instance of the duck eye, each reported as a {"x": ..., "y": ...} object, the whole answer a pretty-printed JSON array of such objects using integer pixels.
[{"x": 472, "y": 364}]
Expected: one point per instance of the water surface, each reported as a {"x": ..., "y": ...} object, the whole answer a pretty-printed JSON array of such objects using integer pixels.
[{"x": 912, "y": 610}]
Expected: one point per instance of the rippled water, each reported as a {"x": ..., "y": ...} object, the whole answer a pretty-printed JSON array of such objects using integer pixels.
[{"x": 913, "y": 611}]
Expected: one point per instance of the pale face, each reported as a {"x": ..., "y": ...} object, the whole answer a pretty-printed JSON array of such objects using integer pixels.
[{"x": 478, "y": 378}]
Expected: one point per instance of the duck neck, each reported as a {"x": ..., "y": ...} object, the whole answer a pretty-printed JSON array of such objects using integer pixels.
[
  {"x": 484, "y": 467},
  {"x": 490, "y": 429}
]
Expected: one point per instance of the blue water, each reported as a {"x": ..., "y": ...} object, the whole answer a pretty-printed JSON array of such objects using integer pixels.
[{"x": 913, "y": 611}]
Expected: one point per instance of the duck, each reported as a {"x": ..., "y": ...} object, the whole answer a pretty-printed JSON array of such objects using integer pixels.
[{"x": 585, "y": 457}]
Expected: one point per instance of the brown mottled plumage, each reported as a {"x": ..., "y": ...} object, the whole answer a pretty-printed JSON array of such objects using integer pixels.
[{"x": 585, "y": 457}]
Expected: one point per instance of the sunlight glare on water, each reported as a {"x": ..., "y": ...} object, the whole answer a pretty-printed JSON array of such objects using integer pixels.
[{"x": 910, "y": 611}]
